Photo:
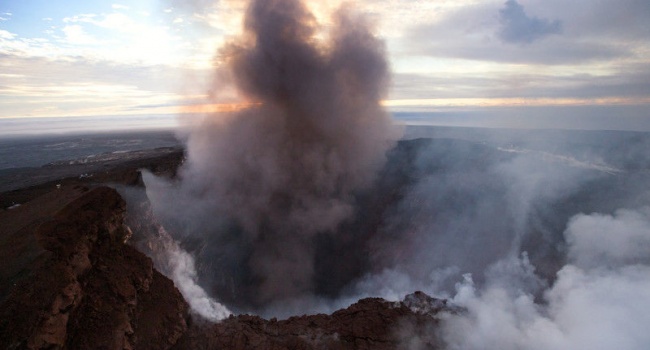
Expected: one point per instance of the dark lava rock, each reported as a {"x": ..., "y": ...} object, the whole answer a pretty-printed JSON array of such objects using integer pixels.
[
  {"x": 421, "y": 303},
  {"x": 89, "y": 289},
  {"x": 371, "y": 323}
]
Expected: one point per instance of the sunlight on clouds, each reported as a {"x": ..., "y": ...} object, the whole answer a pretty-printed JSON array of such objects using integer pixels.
[
  {"x": 515, "y": 102},
  {"x": 432, "y": 65},
  {"x": 76, "y": 35},
  {"x": 473, "y": 68},
  {"x": 11, "y": 44},
  {"x": 6, "y": 35},
  {"x": 81, "y": 90},
  {"x": 226, "y": 18},
  {"x": 397, "y": 17},
  {"x": 83, "y": 99},
  {"x": 216, "y": 108},
  {"x": 121, "y": 37},
  {"x": 11, "y": 76}
]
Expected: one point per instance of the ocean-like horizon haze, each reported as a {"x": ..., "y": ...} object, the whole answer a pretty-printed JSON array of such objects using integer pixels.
[{"x": 310, "y": 200}]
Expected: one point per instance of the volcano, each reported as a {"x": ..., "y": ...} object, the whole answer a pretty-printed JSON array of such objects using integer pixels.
[{"x": 306, "y": 218}]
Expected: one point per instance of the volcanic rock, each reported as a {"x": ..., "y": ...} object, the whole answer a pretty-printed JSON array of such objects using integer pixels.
[
  {"x": 371, "y": 323},
  {"x": 87, "y": 288},
  {"x": 419, "y": 302}
]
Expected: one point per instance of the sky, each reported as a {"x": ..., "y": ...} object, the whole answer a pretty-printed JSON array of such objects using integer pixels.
[{"x": 582, "y": 64}]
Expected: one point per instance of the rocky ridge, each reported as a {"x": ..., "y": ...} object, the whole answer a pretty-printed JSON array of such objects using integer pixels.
[
  {"x": 90, "y": 289},
  {"x": 371, "y": 323}
]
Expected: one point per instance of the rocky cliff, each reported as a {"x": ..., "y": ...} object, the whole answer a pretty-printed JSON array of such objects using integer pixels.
[{"x": 87, "y": 288}]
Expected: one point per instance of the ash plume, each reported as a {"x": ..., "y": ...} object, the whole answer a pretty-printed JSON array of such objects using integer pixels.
[{"x": 262, "y": 183}]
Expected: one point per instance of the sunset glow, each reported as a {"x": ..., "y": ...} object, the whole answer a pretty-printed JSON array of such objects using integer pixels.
[{"x": 105, "y": 58}]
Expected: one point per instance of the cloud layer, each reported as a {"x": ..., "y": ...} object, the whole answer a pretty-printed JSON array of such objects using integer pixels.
[{"x": 438, "y": 50}]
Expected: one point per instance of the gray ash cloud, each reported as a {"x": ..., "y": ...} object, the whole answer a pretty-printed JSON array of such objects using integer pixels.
[{"x": 263, "y": 183}]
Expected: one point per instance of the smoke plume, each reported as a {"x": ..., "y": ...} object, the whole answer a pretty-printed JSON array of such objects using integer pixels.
[{"x": 263, "y": 183}]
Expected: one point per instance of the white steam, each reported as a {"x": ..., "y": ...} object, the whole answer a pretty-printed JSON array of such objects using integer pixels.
[
  {"x": 600, "y": 300},
  {"x": 610, "y": 240},
  {"x": 168, "y": 255},
  {"x": 183, "y": 273}
]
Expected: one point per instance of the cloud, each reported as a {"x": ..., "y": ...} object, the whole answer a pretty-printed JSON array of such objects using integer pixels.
[
  {"x": 192, "y": 6},
  {"x": 76, "y": 35},
  {"x": 491, "y": 50},
  {"x": 633, "y": 83},
  {"x": 467, "y": 33},
  {"x": 623, "y": 21},
  {"x": 78, "y": 85},
  {"x": 518, "y": 27},
  {"x": 611, "y": 32},
  {"x": 6, "y": 35}
]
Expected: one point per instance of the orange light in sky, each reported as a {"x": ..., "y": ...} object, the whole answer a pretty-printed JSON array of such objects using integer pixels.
[{"x": 215, "y": 107}]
